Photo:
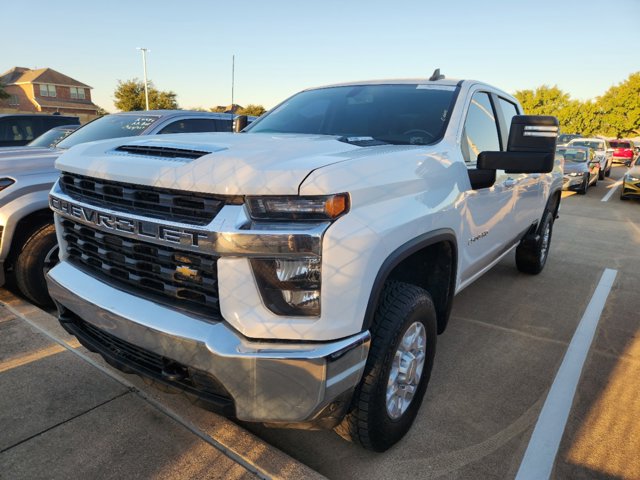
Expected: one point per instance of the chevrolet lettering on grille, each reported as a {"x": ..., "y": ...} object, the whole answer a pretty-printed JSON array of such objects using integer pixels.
[{"x": 116, "y": 223}]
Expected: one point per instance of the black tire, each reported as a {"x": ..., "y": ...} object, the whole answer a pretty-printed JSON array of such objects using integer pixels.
[
  {"x": 601, "y": 173},
  {"x": 369, "y": 422},
  {"x": 38, "y": 254},
  {"x": 607, "y": 173},
  {"x": 533, "y": 251},
  {"x": 585, "y": 186},
  {"x": 624, "y": 197}
]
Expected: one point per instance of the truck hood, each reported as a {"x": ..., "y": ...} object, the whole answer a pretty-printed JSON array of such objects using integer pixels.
[
  {"x": 230, "y": 164},
  {"x": 28, "y": 162}
]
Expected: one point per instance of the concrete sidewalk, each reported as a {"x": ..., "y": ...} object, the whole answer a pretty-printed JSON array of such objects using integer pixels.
[{"x": 65, "y": 414}]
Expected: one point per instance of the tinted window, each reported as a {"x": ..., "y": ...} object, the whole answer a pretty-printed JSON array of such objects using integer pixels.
[
  {"x": 399, "y": 114},
  {"x": 480, "y": 131},
  {"x": 109, "y": 126},
  {"x": 192, "y": 125}
]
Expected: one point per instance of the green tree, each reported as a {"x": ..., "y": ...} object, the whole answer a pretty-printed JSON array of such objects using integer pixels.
[
  {"x": 3, "y": 94},
  {"x": 620, "y": 107},
  {"x": 252, "y": 109},
  {"x": 129, "y": 96}
]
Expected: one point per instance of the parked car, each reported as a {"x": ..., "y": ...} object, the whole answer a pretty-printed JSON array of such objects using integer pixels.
[
  {"x": 631, "y": 182},
  {"x": 565, "y": 138},
  {"x": 28, "y": 244},
  {"x": 603, "y": 151},
  {"x": 624, "y": 151},
  {"x": 581, "y": 168},
  {"x": 20, "y": 129}
]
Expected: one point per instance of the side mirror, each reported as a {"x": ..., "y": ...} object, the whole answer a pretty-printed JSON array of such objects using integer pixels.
[
  {"x": 531, "y": 147},
  {"x": 239, "y": 123}
]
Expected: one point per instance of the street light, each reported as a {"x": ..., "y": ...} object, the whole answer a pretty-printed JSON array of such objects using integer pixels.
[{"x": 144, "y": 67}]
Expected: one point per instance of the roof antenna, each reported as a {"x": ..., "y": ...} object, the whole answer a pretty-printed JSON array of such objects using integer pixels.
[{"x": 436, "y": 75}]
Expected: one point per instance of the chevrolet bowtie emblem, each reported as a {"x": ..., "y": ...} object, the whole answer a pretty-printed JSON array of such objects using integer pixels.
[{"x": 187, "y": 273}]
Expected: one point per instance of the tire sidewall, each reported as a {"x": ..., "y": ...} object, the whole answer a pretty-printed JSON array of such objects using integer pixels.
[{"x": 383, "y": 425}]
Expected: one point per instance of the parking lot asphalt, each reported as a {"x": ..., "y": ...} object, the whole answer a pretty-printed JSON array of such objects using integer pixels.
[{"x": 65, "y": 414}]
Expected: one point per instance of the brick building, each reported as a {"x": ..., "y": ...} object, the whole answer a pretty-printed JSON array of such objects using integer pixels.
[{"x": 46, "y": 90}]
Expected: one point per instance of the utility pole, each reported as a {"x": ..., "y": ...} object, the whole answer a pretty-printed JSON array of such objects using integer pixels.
[
  {"x": 144, "y": 67},
  {"x": 233, "y": 71}
]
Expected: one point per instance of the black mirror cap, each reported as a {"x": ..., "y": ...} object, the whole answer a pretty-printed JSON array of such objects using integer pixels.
[
  {"x": 533, "y": 133},
  {"x": 517, "y": 162},
  {"x": 239, "y": 123}
]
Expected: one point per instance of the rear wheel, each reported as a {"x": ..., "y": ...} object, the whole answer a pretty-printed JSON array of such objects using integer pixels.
[
  {"x": 38, "y": 255},
  {"x": 601, "y": 172},
  {"x": 531, "y": 254},
  {"x": 398, "y": 368},
  {"x": 608, "y": 171}
]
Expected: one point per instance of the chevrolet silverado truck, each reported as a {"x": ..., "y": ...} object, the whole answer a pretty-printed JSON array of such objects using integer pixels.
[
  {"x": 28, "y": 247},
  {"x": 298, "y": 274}
]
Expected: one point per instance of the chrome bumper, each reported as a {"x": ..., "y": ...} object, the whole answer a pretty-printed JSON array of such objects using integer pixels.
[{"x": 296, "y": 384}]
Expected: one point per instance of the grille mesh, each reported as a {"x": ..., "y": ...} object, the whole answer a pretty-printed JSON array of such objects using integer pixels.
[
  {"x": 183, "y": 280},
  {"x": 161, "y": 203}
]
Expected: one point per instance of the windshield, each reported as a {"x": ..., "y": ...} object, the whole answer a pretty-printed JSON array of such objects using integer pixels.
[
  {"x": 576, "y": 155},
  {"x": 109, "y": 126},
  {"x": 615, "y": 144},
  {"x": 566, "y": 137},
  {"x": 397, "y": 114},
  {"x": 51, "y": 137},
  {"x": 595, "y": 144}
]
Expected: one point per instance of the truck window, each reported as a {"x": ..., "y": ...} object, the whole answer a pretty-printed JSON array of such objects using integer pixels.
[
  {"x": 480, "y": 132},
  {"x": 192, "y": 125},
  {"x": 508, "y": 110}
]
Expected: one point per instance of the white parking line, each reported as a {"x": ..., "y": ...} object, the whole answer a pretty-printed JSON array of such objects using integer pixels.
[
  {"x": 538, "y": 460},
  {"x": 611, "y": 191}
]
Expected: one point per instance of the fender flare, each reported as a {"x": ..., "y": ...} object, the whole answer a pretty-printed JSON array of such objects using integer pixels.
[{"x": 401, "y": 253}]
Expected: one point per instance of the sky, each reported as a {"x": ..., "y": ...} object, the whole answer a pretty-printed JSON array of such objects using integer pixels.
[{"x": 284, "y": 46}]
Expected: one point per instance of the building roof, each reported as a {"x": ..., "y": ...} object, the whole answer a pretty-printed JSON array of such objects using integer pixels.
[
  {"x": 66, "y": 103},
  {"x": 18, "y": 75}
]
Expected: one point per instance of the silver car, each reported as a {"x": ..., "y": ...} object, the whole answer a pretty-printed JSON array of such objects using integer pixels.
[
  {"x": 581, "y": 168},
  {"x": 604, "y": 152}
]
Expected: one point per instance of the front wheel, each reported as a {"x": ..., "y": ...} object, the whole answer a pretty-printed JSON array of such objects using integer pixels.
[
  {"x": 38, "y": 255},
  {"x": 532, "y": 253},
  {"x": 601, "y": 173},
  {"x": 398, "y": 368},
  {"x": 585, "y": 186}
]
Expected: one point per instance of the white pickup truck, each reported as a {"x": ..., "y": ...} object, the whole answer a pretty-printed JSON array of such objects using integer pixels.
[{"x": 299, "y": 273}]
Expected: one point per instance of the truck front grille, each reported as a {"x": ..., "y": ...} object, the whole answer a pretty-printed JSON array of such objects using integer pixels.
[
  {"x": 183, "y": 280},
  {"x": 162, "y": 203}
]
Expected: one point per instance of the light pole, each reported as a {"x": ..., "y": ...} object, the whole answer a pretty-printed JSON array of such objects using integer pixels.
[
  {"x": 233, "y": 71},
  {"x": 144, "y": 67}
]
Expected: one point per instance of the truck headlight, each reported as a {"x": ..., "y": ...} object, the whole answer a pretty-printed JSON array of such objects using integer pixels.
[
  {"x": 289, "y": 286},
  {"x": 6, "y": 182},
  {"x": 321, "y": 207}
]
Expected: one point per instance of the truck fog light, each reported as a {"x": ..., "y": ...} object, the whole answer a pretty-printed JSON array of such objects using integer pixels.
[
  {"x": 289, "y": 286},
  {"x": 306, "y": 299}
]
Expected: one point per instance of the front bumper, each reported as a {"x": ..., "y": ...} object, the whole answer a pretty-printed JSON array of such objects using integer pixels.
[
  {"x": 630, "y": 189},
  {"x": 289, "y": 383},
  {"x": 571, "y": 183}
]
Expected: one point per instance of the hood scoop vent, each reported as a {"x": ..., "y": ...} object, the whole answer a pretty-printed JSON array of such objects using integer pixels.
[{"x": 178, "y": 154}]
